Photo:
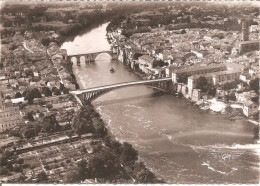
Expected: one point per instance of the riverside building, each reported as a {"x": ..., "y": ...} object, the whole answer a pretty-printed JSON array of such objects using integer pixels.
[{"x": 197, "y": 70}]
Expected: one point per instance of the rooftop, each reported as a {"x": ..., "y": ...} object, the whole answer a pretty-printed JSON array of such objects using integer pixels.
[
  {"x": 214, "y": 74},
  {"x": 249, "y": 42},
  {"x": 146, "y": 58},
  {"x": 200, "y": 68}
]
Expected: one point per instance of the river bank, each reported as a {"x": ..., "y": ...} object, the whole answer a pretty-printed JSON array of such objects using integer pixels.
[
  {"x": 167, "y": 133},
  {"x": 142, "y": 175},
  {"x": 232, "y": 110}
]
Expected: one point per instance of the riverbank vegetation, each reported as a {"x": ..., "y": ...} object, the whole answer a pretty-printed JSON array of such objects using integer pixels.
[{"x": 111, "y": 161}]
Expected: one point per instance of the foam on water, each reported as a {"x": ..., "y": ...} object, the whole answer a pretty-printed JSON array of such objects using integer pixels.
[{"x": 221, "y": 172}]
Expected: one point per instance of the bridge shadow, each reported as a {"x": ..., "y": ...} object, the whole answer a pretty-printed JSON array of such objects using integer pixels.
[{"x": 122, "y": 100}]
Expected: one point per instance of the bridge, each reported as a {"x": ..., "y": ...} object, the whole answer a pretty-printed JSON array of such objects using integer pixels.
[
  {"x": 91, "y": 57},
  {"x": 92, "y": 93}
]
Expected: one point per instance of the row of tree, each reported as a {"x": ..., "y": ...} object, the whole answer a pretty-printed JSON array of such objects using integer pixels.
[{"x": 31, "y": 94}]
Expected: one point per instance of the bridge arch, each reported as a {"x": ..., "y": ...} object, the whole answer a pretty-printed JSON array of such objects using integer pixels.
[
  {"x": 161, "y": 86},
  {"x": 103, "y": 53},
  {"x": 91, "y": 57}
]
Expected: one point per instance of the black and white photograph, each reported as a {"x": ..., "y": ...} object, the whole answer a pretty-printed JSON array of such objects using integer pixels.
[{"x": 129, "y": 92}]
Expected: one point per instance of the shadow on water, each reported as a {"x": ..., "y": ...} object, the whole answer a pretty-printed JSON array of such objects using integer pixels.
[{"x": 122, "y": 100}]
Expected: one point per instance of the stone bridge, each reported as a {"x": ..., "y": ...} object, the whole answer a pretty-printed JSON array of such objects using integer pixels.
[
  {"x": 92, "y": 93},
  {"x": 91, "y": 57}
]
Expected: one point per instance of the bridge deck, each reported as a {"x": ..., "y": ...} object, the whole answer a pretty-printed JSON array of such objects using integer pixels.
[
  {"x": 117, "y": 85},
  {"x": 105, "y": 51}
]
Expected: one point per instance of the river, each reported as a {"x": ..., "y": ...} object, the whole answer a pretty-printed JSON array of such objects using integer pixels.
[{"x": 178, "y": 142}]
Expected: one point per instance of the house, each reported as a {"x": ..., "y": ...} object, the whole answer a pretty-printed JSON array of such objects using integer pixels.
[
  {"x": 195, "y": 44},
  {"x": 245, "y": 77},
  {"x": 250, "y": 108},
  {"x": 196, "y": 95},
  {"x": 207, "y": 38},
  {"x": 254, "y": 28},
  {"x": 213, "y": 78},
  {"x": 145, "y": 63},
  {"x": 197, "y": 70},
  {"x": 248, "y": 46},
  {"x": 158, "y": 71},
  {"x": 2, "y": 76},
  {"x": 245, "y": 96}
]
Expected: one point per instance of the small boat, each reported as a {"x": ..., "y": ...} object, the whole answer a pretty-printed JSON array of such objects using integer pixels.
[{"x": 112, "y": 70}]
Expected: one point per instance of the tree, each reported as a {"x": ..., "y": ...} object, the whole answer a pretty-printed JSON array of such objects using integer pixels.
[
  {"x": 50, "y": 124},
  {"x": 4, "y": 171},
  {"x": 31, "y": 94},
  {"x": 142, "y": 174},
  {"x": 8, "y": 97},
  {"x": 45, "y": 41},
  {"x": 56, "y": 91},
  {"x": 83, "y": 171},
  {"x": 42, "y": 177},
  {"x": 183, "y": 32},
  {"x": 81, "y": 122},
  {"x": 128, "y": 153},
  {"x": 65, "y": 90},
  {"x": 254, "y": 85},
  {"x": 29, "y": 116},
  {"x": 136, "y": 56},
  {"x": 29, "y": 133},
  {"x": 61, "y": 87},
  {"x": 202, "y": 83},
  {"x": 232, "y": 96},
  {"x": 18, "y": 95},
  {"x": 72, "y": 177},
  {"x": 20, "y": 161},
  {"x": 104, "y": 164},
  {"x": 212, "y": 91},
  {"x": 183, "y": 78},
  {"x": 46, "y": 91},
  {"x": 145, "y": 176}
]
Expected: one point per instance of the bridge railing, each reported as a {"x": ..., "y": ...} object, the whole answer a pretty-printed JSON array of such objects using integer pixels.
[{"x": 126, "y": 83}]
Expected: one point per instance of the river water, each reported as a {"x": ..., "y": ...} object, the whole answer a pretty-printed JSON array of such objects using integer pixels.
[{"x": 178, "y": 142}]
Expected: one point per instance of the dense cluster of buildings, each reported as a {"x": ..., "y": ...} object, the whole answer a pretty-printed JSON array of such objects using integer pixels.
[
  {"x": 219, "y": 56},
  {"x": 25, "y": 67}
]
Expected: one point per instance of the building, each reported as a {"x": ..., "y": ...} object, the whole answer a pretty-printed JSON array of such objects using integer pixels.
[
  {"x": 196, "y": 95},
  {"x": 248, "y": 46},
  {"x": 9, "y": 116},
  {"x": 245, "y": 77},
  {"x": 197, "y": 70},
  {"x": 195, "y": 44},
  {"x": 254, "y": 28},
  {"x": 213, "y": 78},
  {"x": 245, "y": 96},
  {"x": 250, "y": 108},
  {"x": 145, "y": 63}
]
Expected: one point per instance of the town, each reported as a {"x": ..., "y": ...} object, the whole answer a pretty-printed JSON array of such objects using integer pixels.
[
  {"x": 203, "y": 63},
  {"x": 50, "y": 135}
]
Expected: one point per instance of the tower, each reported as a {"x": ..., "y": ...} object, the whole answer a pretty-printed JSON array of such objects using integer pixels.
[{"x": 245, "y": 30}]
